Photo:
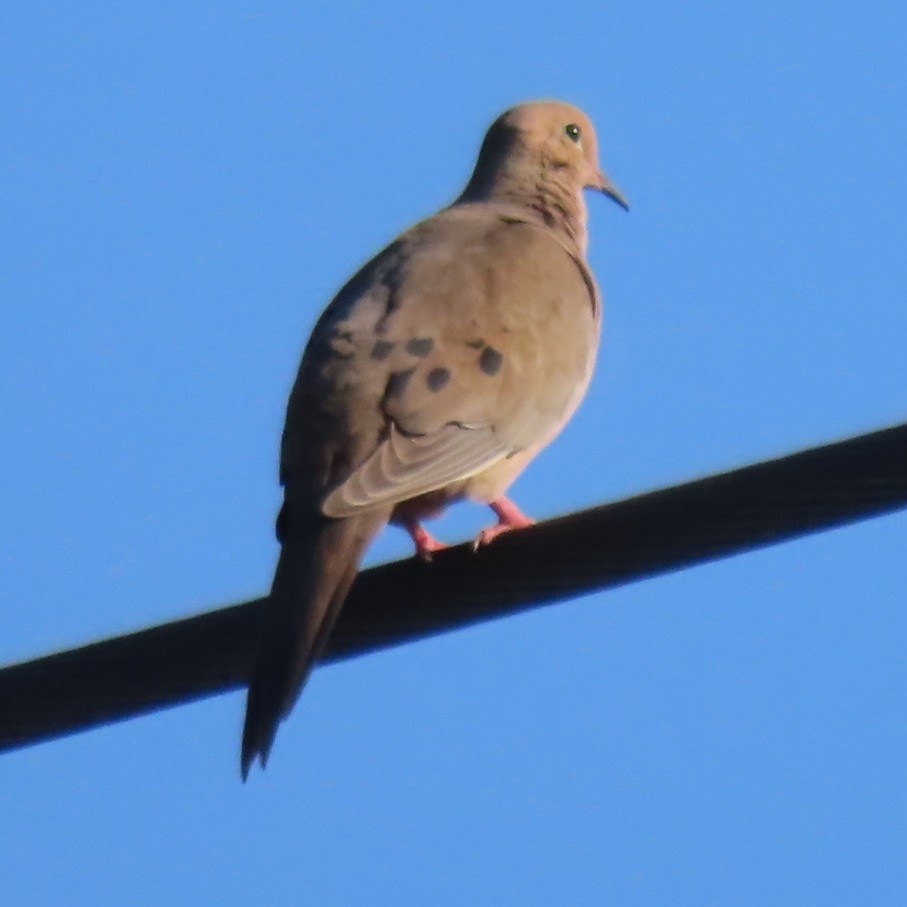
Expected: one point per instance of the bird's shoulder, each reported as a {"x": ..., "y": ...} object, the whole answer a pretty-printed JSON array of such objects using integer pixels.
[{"x": 461, "y": 258}]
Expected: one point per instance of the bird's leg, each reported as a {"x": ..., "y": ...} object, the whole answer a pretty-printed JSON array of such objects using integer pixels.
[
  {"x": 426, "y": 544},
  {"x": 509, "y": 517}
]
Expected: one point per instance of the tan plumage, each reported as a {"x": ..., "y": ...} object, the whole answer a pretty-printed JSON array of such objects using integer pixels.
[{"x": 435, "y": 374}]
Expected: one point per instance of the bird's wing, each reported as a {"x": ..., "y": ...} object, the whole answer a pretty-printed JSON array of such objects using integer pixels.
[{"x": 458, "y": 346}]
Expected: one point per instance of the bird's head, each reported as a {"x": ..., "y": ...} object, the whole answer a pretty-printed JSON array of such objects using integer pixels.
[{"x": 550, "y": 136}]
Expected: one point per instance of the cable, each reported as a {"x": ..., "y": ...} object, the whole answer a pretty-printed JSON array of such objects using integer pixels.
[{"x": 404, "y": 601}]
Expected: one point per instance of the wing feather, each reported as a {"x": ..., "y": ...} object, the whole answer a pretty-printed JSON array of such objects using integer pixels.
[{"x": 404, "y": 466}]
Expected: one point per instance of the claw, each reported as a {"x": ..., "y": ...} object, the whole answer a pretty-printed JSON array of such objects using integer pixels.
[
  {"x": 509, "y": 517},
  {"x": 426, "y": 544}
]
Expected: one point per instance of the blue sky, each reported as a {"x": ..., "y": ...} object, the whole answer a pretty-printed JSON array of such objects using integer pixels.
[{"x": 184, "y": 187}]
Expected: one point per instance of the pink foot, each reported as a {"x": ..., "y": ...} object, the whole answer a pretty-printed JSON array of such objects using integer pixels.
[
  {"x": 509, "y": 517},
  {"x": 426, "y": 544}
]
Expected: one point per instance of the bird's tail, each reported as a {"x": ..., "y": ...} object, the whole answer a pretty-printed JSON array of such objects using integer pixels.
[{"x": 318, "y": 563}]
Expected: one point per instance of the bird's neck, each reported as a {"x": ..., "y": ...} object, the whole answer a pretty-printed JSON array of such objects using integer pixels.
[{"x": 546, "y": 196}]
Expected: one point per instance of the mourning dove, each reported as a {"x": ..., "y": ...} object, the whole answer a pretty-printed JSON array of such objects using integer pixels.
[{"x": 436, "y": 374}]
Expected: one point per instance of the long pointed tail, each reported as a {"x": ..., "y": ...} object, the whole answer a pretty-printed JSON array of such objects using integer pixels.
[{"x": 318, "y": 563}]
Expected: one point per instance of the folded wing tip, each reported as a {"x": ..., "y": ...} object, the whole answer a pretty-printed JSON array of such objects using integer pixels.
[{"x": 407, "y": 466}]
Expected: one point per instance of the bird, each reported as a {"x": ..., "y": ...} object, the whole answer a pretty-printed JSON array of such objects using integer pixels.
[{"x": 436, "y": 374}]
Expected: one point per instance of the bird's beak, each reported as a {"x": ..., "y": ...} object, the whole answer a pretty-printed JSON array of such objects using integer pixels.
[{"x": 605, "y": 186}]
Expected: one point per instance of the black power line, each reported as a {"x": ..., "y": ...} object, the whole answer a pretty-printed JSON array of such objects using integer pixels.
[{"x": 400, "y": 602}]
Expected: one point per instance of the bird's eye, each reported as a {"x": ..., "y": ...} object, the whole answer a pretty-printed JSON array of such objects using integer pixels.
[{"x": 573, "y": 133}]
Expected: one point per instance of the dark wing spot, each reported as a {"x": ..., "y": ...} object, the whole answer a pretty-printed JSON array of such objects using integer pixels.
[
  {"x": 437, "y": 378},
  {"x": 490, "y": 361},
  {"x": 420, "y": 346},
  {"x": 475, "y": 344},
  {"x": 397, "y": 384},
  {"x": 382, "y": 349}
]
